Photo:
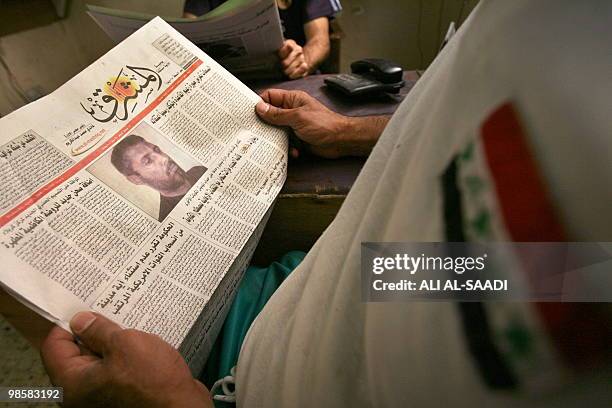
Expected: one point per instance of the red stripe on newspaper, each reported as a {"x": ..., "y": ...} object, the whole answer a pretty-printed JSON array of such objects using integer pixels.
[{"x": 44, "y": 190}]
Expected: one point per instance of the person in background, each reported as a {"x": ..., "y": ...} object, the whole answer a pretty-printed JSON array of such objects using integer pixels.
[{"x": 306, "y": 30}]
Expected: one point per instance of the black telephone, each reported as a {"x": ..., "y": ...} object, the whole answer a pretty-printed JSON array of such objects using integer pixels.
[{"x": 369, "y": 76}]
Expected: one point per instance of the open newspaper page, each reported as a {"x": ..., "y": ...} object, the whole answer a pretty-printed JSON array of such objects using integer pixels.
[
  {"x": 133, "y": 189},
  {"x": 243, "y": 35}
]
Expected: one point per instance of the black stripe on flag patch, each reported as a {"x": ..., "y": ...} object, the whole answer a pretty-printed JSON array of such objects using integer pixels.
[{"x": 489, "y": 361}]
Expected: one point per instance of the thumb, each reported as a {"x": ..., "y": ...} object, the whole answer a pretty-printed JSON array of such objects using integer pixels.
[
  {"x": 275, "y": 116},
  {"x": 285, "y": 50},
  {"x": 95, "y": 331}
]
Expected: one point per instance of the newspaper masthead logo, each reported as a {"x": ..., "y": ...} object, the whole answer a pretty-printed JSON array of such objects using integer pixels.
[{"x": 120, "y": 95}]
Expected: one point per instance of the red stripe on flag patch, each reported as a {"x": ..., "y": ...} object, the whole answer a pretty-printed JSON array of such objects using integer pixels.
[
  {"x": 580, "y": 331},
  {"x": 524, "y": 202}
]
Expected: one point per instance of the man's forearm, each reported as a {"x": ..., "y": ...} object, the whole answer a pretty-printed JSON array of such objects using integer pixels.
[
  {"x": 317, "y": 44},
  {"x": 316, "y": 51},
  {"x": 360, "y": 134}
]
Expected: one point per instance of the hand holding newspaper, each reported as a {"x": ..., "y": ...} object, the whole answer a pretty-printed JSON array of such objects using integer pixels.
[{"x": 138, "y": 190}]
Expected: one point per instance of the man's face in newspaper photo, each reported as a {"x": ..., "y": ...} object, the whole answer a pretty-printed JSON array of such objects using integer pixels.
[{"x": 145, "y": 163}]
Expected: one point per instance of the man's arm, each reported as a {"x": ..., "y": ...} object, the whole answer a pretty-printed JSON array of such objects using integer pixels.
[
  {"x": 316, "y": 48},
  {"x": 326, "y": 133}
]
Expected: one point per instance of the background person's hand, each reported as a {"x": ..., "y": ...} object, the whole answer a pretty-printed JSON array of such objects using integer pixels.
[
  {"x": 326, "y": 133},
  {"x": 293, "y": 60},
  {"x": 117, "y": 367}
]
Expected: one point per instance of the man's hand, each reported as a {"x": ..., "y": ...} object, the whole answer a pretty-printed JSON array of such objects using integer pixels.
[
  {"x": 326, "y": 133},
  {"x": 297, "y": 61},
  {"x": 115, "y": 367},
  {"x": 293, "y": 60}
]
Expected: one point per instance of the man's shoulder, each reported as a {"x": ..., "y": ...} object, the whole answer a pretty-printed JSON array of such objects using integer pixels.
[{"x": 321, "y": 8}]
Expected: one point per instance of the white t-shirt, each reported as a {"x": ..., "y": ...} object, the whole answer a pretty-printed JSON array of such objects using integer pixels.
[{"x": 317, "y": 344}]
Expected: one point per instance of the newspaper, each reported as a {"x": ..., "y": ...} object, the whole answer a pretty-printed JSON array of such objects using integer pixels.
[
  {"x": 243, "y": 35},
  {"x": 138, "y": 190}
]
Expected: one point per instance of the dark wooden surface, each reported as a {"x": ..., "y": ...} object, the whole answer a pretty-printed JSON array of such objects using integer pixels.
[{"x": 315, "y": 86}]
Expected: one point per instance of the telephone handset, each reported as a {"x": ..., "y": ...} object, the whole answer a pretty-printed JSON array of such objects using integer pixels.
[{"x": 369, "y": 76}]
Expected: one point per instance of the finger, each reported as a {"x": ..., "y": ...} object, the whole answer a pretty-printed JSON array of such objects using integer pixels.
[
  {"x": 292, "y": 57},
  {"x": 57, "y": 351},
  {"x": 294, "y": 153},
  {"x": 297, "y": 69},
  {"x": 299, "y": 72},
  {"x": 284, "y": 99},
  {"x": 303, "y": 70},
  {"x": 295, "y": 64},
  {"x": 95, "y": 331},
  {"x": 274, "y": 115},
  {"x": 286, "y": 49}
]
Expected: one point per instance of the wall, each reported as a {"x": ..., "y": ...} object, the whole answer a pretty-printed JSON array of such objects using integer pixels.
[
  {"x": 406, "y": 31},
  {"x": 36, "y": 61}
]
